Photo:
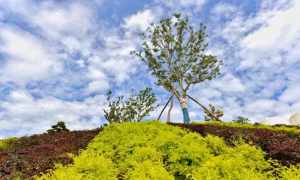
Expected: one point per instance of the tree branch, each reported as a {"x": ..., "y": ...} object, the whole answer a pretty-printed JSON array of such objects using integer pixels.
[
  {"x": 164, "y": 107},
  {"x": 202, "y": 106}
]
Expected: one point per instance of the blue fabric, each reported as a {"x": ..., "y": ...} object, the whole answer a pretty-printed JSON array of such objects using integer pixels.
[{"x": 186, "y": 117}]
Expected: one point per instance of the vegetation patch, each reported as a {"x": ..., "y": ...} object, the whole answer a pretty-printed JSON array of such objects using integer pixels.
[
  {"x": 159, "y": 151},
  {"x": 29, "y": 156},
  {"x": 290, "y": 129},
  {"x": 280, "y": 143},
  {"x": 7, "y": 143}
]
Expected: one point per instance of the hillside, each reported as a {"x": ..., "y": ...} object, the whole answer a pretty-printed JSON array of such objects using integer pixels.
[
  {"x": 156, "y": 151},
  {"x": 159, "y": 151}
]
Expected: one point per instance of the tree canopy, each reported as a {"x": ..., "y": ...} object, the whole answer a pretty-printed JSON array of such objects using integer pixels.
[{"x": 176, "y": 54}]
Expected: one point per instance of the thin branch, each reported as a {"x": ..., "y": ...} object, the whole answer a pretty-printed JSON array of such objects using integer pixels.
[
  {"x": 171, "y": 97},
  {"x": 202, "y": 106}
]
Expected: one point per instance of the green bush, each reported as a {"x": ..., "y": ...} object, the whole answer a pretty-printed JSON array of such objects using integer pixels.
[
  {"x": 158, "y": 151},
  {"x": 60, "y": 126},
  {"x": 242, "y": 120}
]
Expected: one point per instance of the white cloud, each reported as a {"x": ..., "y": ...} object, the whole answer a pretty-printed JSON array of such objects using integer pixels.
[
  {"x": 139, "y": 21},
  {"x": 278, "y": 31},
  {"x": 97, "y": 86},
  {"x": 229, "y": 83},
  {"x": 60, "y": 32},
  {"x": 291, "y": 94},
  {"x": 275, "y": 38},
  {"x": 280, "y": 119},
  {"x": 99, "y": 81},
  {"x": 27, "y": 57},
  {"x": 224, "y": 10},
  {"x": 195, "y": 5},
  {"x": 261, "y": 49},
  {"x": 28, "y": 115},
  {"x": 74, "y": 19}
]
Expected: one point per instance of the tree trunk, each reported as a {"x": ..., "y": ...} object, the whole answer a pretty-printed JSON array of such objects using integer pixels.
[
  {"x": 184, "y": 106},
  {"x": 169, "y": 111}
]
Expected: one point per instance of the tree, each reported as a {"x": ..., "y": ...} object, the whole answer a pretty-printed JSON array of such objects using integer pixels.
[
  {"x": 132, "y": 109},
  {"x": 242, "y": 120},
  {"x": 58, "y": 127},
  {"x": 175, "y": 54},
  {"x": 213, "y": 113}
]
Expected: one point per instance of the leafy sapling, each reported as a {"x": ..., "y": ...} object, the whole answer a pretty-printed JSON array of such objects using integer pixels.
[
  {"x": 176, "y": 55},
  {"x": 132, "y": 109},
  {"x": 114, "y": 110}
]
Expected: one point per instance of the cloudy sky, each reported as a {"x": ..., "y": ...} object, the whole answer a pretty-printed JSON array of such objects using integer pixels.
[{"x": 58, "y": 58}]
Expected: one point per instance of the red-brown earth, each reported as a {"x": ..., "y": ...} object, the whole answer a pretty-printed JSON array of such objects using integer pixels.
[{"x": 29, "y": 156}]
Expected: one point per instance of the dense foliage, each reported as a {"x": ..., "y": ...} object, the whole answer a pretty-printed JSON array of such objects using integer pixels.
[
  {"x": 133, "y": 109},
  {"x": 159, "y": 151}
]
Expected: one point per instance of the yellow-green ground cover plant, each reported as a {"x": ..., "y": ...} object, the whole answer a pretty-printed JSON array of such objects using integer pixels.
[
  {"x": 156, "y": 151},
  {"x": 6, "y": 143}
]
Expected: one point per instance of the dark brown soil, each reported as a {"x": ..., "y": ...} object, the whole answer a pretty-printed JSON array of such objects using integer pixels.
[
  {"x": 281, "y": 146},
  {"x": 29, "y": 156}
]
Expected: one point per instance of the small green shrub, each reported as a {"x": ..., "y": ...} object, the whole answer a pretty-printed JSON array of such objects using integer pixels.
[
  {"x": 242, "y": 120},
  {"x": 6, "y": 143},
  {"x": 158, "y": 151},
  {"x": 58, "y": 127},
  {"x": 132, "y": 109}
]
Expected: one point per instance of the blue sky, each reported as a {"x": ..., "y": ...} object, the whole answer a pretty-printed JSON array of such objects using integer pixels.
[{"x": 58, "y": 58}]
